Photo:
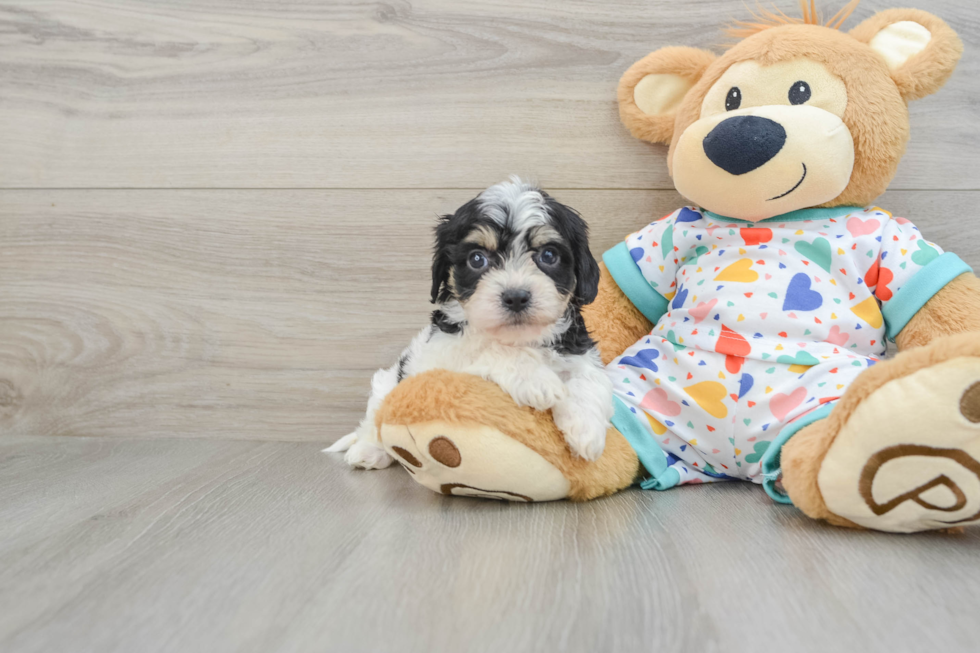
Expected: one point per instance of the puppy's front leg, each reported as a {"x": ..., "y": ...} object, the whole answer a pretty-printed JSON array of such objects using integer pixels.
[
  {"x": 583, "y": 416},
  {"x": 363, "y": 446},
  {"x": 530, "y": 383}
]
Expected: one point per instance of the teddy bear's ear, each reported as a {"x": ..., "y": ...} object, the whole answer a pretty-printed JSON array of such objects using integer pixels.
[
  {"x": 920, "y": 49},
  {"x": 651, "y": 90}
]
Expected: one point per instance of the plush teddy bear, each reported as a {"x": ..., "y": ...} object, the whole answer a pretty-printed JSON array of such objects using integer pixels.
[{"x": 744, "y": 335}]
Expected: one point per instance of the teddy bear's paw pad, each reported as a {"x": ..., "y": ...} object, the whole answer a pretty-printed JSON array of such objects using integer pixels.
[
  {"x": 474, "y": 461},
  {"x": 908, "y": 459}
]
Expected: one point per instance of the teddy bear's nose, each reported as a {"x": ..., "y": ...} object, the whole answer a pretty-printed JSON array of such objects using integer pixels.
[{"x": 741, "y": 144}]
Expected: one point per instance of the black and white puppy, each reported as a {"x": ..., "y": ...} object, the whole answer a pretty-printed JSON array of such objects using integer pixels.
[{"x": 510, "y": 274}]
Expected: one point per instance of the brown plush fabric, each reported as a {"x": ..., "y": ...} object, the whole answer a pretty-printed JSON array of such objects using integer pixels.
[
  {"x": 464, "y": 399},
  {"x": 612, "y": 320},
  {"x": 800, "y": 459},
  {"x": 688, "y": 63},
  {"x": 766, "y": 19},
  {"x": 803, "y": 455},
  {"x": 926, "y": 72},
  {"x": 876, "y": 114},
  {"x": 954, "y": 309}
]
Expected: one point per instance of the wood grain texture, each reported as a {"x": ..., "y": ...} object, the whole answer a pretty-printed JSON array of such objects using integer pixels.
[
  {"x": 191, "y": 329},
  {"x": 246, "y": 314},
  {"x": 366, "y": 94},
  {"x": 163, "y": 545}
]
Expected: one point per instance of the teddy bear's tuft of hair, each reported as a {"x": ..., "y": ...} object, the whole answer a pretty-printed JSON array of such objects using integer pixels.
[{"x": 764, "y": 19}]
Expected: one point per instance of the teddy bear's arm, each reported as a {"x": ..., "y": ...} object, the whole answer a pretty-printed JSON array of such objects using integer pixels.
[
  {"x": 954, "y": 309},
  {"x": 612, "y": 319}
]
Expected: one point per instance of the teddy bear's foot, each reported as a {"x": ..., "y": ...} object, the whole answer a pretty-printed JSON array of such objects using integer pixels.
[
  {"x": 460, "y": 435},
  {"x": 473, "y": 460},
  {"x": 901, "y": 452}
]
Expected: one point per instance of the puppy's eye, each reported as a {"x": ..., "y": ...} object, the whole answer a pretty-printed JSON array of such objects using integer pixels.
[
  {"x": 477, "y": 260},
  {"x": 548, "y": 256},
  {"x": 799, "y": 93},
  {"x": 734, "y": 99}
]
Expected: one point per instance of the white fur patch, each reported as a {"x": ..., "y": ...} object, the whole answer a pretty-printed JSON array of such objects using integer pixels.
[{"x": 514, "y": 203}]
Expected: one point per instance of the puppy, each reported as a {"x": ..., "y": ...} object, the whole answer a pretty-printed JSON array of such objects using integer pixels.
[{"x": 510, "y": 274}]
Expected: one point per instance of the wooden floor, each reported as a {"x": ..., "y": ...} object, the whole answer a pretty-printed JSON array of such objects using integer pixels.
[{"x": 214, "y": 225}]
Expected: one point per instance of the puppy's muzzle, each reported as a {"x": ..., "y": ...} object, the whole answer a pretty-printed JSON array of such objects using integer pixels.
[{"x": 515, "y": 300}]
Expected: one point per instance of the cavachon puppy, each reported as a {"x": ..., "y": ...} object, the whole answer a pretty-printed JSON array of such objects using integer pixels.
[{"x": 510, "y": 274}]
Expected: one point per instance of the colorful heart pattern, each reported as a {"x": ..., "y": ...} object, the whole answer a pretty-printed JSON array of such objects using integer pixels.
[
  {"x": 819, "y": 285},
  {"x": 713, "y": 424},
  {"x": 817, "y": 251},
  {"x": 657, "y": 401},
  {"x": 709, "y": 395},
  {"x": 799, "y": 297},
  {"x": 764, "y": 324},
  {"x": 781, "y": 404},
  {"x": 740, "y": 272}
]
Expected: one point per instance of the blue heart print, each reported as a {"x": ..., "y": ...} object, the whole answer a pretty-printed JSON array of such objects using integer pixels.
[
  {"x": 679, "y": 298},
  {"x": 644, "y": 358},
  {"x": 687, "y": 215},
  {"x": 799, "y": 297},
  {"x": 745, "y": 384},
  {"x": 637, "y": 254}
]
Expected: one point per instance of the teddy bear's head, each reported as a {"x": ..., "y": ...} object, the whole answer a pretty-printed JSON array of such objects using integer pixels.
[{"x": 796, "y": 115}]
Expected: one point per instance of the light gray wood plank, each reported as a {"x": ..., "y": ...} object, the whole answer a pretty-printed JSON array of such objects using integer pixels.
[
  {"x": 248, "y": 314},
  {"x": 178, "y": 545},
  {"x": 360, "y": 94}
]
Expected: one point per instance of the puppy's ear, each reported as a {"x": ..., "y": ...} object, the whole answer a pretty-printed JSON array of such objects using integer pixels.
[
  {"x": 575, "y": 232},
  {"x": 920, "y": 49},
  {"x": 441, "y": 261},
  {"x": 652, "y": 89},
  {"x": 450, "y": 230}
]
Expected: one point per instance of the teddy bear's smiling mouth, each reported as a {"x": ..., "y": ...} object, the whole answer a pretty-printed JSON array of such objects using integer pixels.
[{"x": 791, "y": 189}]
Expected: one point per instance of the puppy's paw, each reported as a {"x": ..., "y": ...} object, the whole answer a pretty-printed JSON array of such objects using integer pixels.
[
  {"x": 367, "y": 455},
  {"x": 540, "y": 391},
  {"x": 584, "y": 432},
  {"x": 341, "y": 445}
]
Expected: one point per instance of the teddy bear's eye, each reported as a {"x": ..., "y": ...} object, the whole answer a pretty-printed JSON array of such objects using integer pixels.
[
  {"x": 799, "y": 93},
  {"x": 734, "y": 99}
]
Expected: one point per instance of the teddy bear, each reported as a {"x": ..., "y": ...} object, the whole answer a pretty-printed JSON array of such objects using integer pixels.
[{"x": 745, "y": 333}]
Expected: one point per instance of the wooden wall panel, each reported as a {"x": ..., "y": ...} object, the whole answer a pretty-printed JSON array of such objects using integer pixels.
[
  {"x": 246, "y": 314},
  {"x": 361, "y": 94}
]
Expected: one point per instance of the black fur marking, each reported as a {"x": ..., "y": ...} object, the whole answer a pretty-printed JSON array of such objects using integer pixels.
[
  {"x": 576, "y": 339},
  {"x": 575, "y": 232},
  {"x": 402, "y": 362},
  {"x": 576, "y": 273},
  {"x": 451, "y": 252},
  {"x": 563, "y": 274},
  {"x": 442, "y": 322}
]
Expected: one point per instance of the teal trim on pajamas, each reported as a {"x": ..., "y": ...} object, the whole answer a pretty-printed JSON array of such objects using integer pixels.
[
  {"x": 793, "y": 216},
  {"x": 630, "y": 280},
  {"x": 771, "y": 470},
  {"x": 651, "y": 456},
  {"x": 918, "y": 290}
]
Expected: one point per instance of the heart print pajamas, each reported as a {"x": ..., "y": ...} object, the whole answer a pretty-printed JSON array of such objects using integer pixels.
[{"x": 758, "y": 329}]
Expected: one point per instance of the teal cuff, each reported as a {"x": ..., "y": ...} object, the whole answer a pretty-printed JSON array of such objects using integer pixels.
[
  {"x": 771, "y": 470},
  {"x": 920, "y": 289},
  {"x": 652, "y": 457},
  {"x": 630, "y": 280}
]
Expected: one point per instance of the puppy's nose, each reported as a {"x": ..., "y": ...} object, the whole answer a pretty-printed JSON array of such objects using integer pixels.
[
  {"x": 516, "y": 300},
  {"x": 741, "y": 144}
]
